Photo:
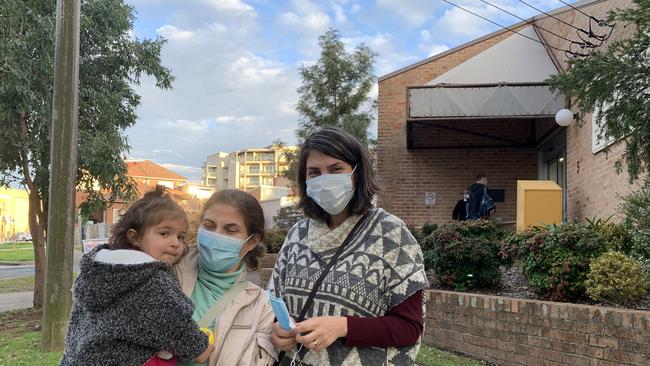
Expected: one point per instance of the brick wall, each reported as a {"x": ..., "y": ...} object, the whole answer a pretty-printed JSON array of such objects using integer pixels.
[
  {"x": 406, "y": 175},
  {"x": 448, "y": 173},
  {"x": 508, "y": 331},
  {"x": 593, "y": 185}
]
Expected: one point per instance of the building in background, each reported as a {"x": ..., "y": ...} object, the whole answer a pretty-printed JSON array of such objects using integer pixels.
[
  {"x": 485, "y": 107},
  {"x": 146, "y": 173},
  {"x": 245, "y": 169},
  {"x": 215, "y": 171},
  {"x": 14, "y": 207}
]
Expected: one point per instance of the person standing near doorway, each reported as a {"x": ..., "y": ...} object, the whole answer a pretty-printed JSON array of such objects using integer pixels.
[
  {"x": 460, "y": 210},
  {"x": 476, "y": 192}
]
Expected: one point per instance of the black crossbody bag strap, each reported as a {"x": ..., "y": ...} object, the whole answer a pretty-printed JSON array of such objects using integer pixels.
[{"x": 319, "y": 281}]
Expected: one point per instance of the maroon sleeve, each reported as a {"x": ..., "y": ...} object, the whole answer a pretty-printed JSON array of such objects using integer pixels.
[{"x": 401, "y": 326}]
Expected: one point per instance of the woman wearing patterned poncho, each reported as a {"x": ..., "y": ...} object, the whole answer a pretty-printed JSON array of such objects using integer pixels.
[{"x": 369, "y": 308}]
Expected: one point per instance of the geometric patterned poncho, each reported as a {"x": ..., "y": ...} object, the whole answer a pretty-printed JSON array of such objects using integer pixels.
[{"x": 380, "y": 268}]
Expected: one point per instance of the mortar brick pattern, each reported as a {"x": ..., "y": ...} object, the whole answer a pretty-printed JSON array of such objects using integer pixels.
[{"x": 517, "y": 332}]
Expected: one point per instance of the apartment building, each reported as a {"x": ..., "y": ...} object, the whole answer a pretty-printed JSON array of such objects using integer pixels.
[{"x": 245, "y": 169}]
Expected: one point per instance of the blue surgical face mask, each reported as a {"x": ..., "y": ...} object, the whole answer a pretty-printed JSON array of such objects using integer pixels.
[
  {"x": 218, "y": 252},
  {"x": 332, "y": 192}
]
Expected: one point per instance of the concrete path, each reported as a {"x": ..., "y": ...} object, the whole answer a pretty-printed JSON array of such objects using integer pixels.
[
  {"x": 16, "y": 300},
  {"x": 16, "y": 271}
]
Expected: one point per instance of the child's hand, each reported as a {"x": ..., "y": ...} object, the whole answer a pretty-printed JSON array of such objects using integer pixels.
[
  {"x": 203, "y": 358},
  {"x": 209, "y": 333}
]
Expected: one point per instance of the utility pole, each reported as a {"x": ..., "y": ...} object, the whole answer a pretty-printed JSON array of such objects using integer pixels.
[{"x": 63, "y": 174}]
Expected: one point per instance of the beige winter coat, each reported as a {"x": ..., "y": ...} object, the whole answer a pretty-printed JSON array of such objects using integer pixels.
[{"x": 243, "y": 331}]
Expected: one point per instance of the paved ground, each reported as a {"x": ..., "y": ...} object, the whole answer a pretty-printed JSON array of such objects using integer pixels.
[
  {"x": 16, "y": 271},
  {"x": 21, "y": 269},
  {"x": 16, "y": 300}
]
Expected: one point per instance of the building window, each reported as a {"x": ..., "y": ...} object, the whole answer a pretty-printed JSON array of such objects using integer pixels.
[{"x": 599, "y": 144}]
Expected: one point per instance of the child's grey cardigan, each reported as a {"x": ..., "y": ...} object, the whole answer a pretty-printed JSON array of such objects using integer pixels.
[{"x": 123, "y": 314}]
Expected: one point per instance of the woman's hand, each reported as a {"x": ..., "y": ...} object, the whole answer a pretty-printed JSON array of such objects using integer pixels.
[
  {"x": 203, "y": 358},
  {"x": 282, "y": 339},
  {"x": 318, "y": 333}
]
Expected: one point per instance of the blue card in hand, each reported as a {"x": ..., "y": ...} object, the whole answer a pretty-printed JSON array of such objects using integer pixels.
[{"x": 281, "y": 312}]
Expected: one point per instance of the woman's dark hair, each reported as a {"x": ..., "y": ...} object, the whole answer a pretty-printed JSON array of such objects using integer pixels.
[
  {"x": 150, "y": 210},
  {"x": 253, "y": 216},
  {"x": 338, "y": 144}
]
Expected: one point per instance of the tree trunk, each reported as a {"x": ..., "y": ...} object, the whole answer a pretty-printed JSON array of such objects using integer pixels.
[
  {"x": 37, "y": 230},
  {"x": 36, "y": 218}
]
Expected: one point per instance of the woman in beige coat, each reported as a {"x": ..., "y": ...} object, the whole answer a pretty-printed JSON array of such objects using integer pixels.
[{"x": 213, "y": 275}]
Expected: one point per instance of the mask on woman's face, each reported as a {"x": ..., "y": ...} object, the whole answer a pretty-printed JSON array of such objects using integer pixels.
[
  {"x": 218, "y": 252},
  {"x": 332, "y": 192}
]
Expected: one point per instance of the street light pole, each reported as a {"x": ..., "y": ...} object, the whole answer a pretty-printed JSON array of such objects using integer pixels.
[{"x": 63, "y": 174}]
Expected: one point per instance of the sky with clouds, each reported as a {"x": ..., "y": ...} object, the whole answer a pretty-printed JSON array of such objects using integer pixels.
[{"x": 236, "y": 62}]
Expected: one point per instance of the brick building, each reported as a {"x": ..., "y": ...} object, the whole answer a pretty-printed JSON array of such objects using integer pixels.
[{"x": 484, "y": 107}]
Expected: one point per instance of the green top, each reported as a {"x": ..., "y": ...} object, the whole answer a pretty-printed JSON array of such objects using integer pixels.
[{"x": 209, "y": 288}]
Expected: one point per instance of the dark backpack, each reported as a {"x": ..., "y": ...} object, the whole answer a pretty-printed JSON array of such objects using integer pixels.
[{"x": 487, "y": 206}]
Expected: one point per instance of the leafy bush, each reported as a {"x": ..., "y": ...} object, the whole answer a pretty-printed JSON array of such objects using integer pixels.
[
  {"x": 636, "y": 208},
  {"x": 465, "y": 254},
  {"x": 512, "y": 245},
  {"x": 641, "y": 249},
  {"x": 428, "y": 228},
  {"x": 617, "y": 236},
  {"x": 274, "y": 239},
  {"x": 556, "y": 260},
  {"x": 616, "y": 278}
]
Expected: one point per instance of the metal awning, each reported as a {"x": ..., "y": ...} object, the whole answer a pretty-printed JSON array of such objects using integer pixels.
[
  {"x": 506, "y": 80},
  {"x": 514, "y": 100}
]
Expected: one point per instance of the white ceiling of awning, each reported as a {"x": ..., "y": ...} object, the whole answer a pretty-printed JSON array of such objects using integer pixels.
[
  {"x": 505, "y": 80},
  {"x": 516, "y": 59}
]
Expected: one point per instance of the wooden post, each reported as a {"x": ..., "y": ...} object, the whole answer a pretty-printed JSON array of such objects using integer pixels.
[{"x": 63, "y": 174}]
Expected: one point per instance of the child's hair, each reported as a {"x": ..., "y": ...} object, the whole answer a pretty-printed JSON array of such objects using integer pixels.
[
  {"x": 150, "y": 210},
  {"x": 253, "y": 215}
]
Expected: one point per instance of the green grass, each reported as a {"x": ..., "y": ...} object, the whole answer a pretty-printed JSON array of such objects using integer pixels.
[
  {"x": 16, "y": 245},
  {"x": 18, "y": 284},
  {"x": 17, "y": 255},
  {"x": 19, "y": 340},
  {"x": 430, "y": 356}
]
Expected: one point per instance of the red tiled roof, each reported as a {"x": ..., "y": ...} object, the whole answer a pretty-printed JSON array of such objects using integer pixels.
[{"x": 149, "y": 169}]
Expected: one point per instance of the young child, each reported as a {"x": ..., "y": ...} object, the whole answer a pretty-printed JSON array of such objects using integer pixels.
[{"x": 128, "y": 305}]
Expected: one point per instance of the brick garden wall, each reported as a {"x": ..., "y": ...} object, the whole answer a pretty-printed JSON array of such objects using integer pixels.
[{"x": 508, "y": 331}]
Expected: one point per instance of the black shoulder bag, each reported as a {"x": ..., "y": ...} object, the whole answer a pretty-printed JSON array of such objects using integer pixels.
[{"x": 319, "y": 281}]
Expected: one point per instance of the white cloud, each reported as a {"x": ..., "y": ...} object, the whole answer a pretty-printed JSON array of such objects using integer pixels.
[
  {"x": 187, "y": 126},
  {"x": 288, "y": 108},
  {"x": 233, "y": 6},
  {"x": 437, "y": 48},
  {"x": 339, "y": 13},
  {"x": 233, "y": 119},
  {"x": 389, "y": 56},
  {"x": 307, "y": 17},
  {"x": 254, "y": 69},
  {"x": 172, "y": 33}
]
